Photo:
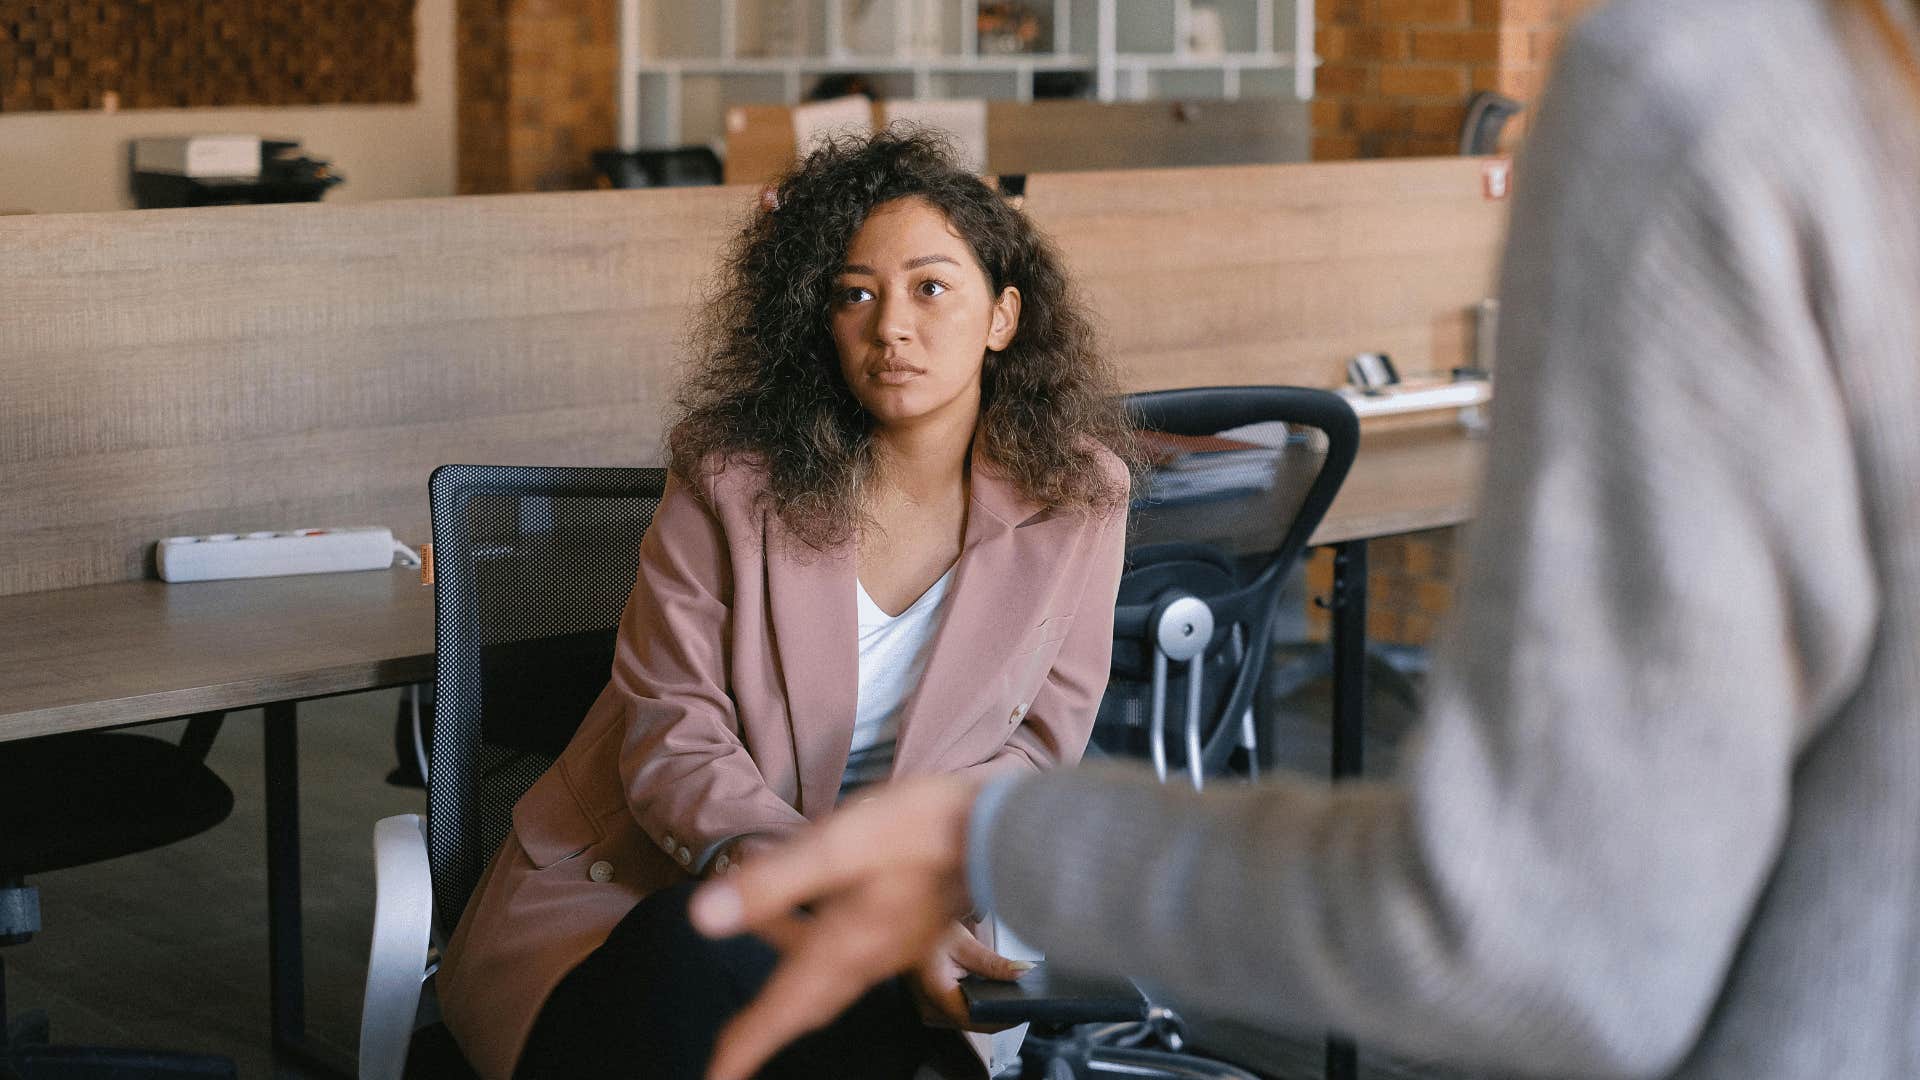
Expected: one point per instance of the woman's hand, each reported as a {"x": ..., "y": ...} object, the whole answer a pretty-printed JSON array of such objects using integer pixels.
[
  {"x": 936, "y": 980},
  {"x": 885, "y": 880}
]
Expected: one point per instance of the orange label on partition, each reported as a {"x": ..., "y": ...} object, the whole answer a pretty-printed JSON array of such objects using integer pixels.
[{"x": 1496, "y": 178}]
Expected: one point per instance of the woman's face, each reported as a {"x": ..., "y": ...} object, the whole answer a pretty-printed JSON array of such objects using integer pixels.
[{"x": 914, "y": 316}]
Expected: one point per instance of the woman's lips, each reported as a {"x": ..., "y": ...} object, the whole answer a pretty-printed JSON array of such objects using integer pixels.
[{"x": 894, "y": 373}]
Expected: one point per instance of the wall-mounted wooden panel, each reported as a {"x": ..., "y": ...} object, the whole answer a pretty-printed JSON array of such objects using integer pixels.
[
  {"x": 175, "y": 372},
  {"x": 160, "y": 54},
  {"x": 1278, "y": 274}
]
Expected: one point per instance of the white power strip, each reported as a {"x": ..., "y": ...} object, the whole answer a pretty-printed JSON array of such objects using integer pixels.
[
  {"x": 272, "y": 554},
  {"x": 1419, "y": 398}
]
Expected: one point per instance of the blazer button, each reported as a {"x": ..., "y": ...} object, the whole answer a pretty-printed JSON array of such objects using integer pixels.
[
  {"x": 684, "y": 856},
  {"x": 720, "y": 865},
  {"x": 601, "y": 871},
  {"x": 666, "y": 843}
]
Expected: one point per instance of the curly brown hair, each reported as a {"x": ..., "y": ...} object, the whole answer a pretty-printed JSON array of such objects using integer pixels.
[{"x": 765, "y": 384}]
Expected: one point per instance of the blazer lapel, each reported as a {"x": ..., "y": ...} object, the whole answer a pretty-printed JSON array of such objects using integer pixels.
[
  {"x": 815, "y": 632},
  {"x": 978, "y": 622}
]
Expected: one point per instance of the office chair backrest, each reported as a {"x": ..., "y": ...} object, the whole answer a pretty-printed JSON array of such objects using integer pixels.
[
  {"x": 1487, "y": 114},
  {"x": 532, "y": 567},
  {"x": 1241, "y": 478}
]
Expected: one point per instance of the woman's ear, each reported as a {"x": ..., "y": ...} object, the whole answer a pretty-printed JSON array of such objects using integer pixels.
[{"x": 1006, "y": 319}]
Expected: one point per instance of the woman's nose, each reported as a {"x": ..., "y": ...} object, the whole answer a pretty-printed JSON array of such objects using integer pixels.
[{"x": 892, "y": 319}]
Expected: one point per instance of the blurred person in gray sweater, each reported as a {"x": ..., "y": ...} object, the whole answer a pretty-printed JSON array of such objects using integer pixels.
[{"x": 1664, "y": 814}]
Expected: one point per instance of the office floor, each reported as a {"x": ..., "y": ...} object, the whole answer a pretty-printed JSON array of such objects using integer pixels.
[{"x": 168, "y": 948}]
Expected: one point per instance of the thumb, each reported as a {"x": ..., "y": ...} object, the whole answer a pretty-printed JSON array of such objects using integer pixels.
[{"x": 980, "y": 960}]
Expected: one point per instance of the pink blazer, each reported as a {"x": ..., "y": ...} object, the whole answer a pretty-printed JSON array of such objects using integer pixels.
[{"x": 730, "y": 713}]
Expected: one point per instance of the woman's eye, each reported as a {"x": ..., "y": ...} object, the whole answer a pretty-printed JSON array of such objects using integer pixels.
[
  {"x": 932, "y": 288},
  {"x": 853, "y": 294}
]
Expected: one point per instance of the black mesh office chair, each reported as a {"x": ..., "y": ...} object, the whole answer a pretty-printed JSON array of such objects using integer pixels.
[
  {"x": 1240, "y": 478},
  {"x": 1487, "y": 114},
  {"x": 531, "y": 569},
  {"x": 71, "y": 800}
]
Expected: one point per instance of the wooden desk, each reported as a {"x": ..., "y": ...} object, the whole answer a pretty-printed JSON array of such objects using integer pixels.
[
  {"x": 137, "y": 651},
  {"x": 1406, "y": 481}
]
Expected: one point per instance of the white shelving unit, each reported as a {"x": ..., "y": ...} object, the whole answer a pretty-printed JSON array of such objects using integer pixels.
[{"x": 683, "y": 63}]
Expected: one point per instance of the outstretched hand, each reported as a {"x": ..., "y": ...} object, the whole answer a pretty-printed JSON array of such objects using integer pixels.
[{"x": 884, "y": 881}]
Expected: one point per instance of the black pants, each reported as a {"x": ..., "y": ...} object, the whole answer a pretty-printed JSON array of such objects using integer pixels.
[{"x": 651, "y": 1001}]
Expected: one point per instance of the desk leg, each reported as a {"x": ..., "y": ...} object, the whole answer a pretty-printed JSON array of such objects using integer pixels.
[
  {"x": 1349, "y": 657},
  {"x": 1349, "y": 715},
  {"x": 286, "y": 957}
]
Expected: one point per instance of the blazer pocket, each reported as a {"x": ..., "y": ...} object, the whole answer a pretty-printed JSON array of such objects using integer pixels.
[
  {"x": 550, "y": 824},
  {"x": 1027, "y": 670},
  {"x": 1048, "y": 632}
]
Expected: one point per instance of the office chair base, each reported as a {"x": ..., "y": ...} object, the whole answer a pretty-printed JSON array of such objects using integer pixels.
[
  {"x": 100, "y": 1063},
  {"x": 1076, "y": 1058},
  {"x": 25, "y": 1054},
  {"x": 1155, "y": 1048}
]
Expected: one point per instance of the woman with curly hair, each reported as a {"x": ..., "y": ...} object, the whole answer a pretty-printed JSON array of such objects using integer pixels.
[{"x": 889, "y": 547}]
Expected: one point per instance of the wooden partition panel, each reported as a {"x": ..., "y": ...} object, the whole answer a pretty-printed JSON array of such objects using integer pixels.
[
  {"x": 1278, "y": 274},
  {"x": 241, "y": 368},
  {"x": 245, "y": 368},
  {"x": 1057, "y": 136}
]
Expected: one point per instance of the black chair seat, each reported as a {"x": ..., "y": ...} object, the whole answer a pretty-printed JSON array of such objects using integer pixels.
[{"x": 105, "y": 794}]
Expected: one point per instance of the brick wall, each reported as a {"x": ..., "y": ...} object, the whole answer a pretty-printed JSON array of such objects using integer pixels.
[
  {"x": 537, "y": 83},
  {"x": 1523, "y": 76},
  {"x": 1394, "y": 82},
  {"x": 1396, "y": 74}
]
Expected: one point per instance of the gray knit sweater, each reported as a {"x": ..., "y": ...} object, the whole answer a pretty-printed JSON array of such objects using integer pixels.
[{"x": 1664, "y": 816}]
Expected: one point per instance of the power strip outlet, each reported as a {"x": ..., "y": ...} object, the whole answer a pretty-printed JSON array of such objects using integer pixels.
[{"x": 273, "y": 554}]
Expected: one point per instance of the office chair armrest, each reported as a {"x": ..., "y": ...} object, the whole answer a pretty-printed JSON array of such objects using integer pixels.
[
  {"x": 1052, "y": 999},
  {"x": 402, "y": 932}
]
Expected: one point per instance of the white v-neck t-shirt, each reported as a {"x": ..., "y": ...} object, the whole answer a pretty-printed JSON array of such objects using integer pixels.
[{"x": 893, "y": 655}]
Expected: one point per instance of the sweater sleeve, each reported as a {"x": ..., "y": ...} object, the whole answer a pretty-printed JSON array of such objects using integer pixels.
[{"x": 1668, "y": 593}]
